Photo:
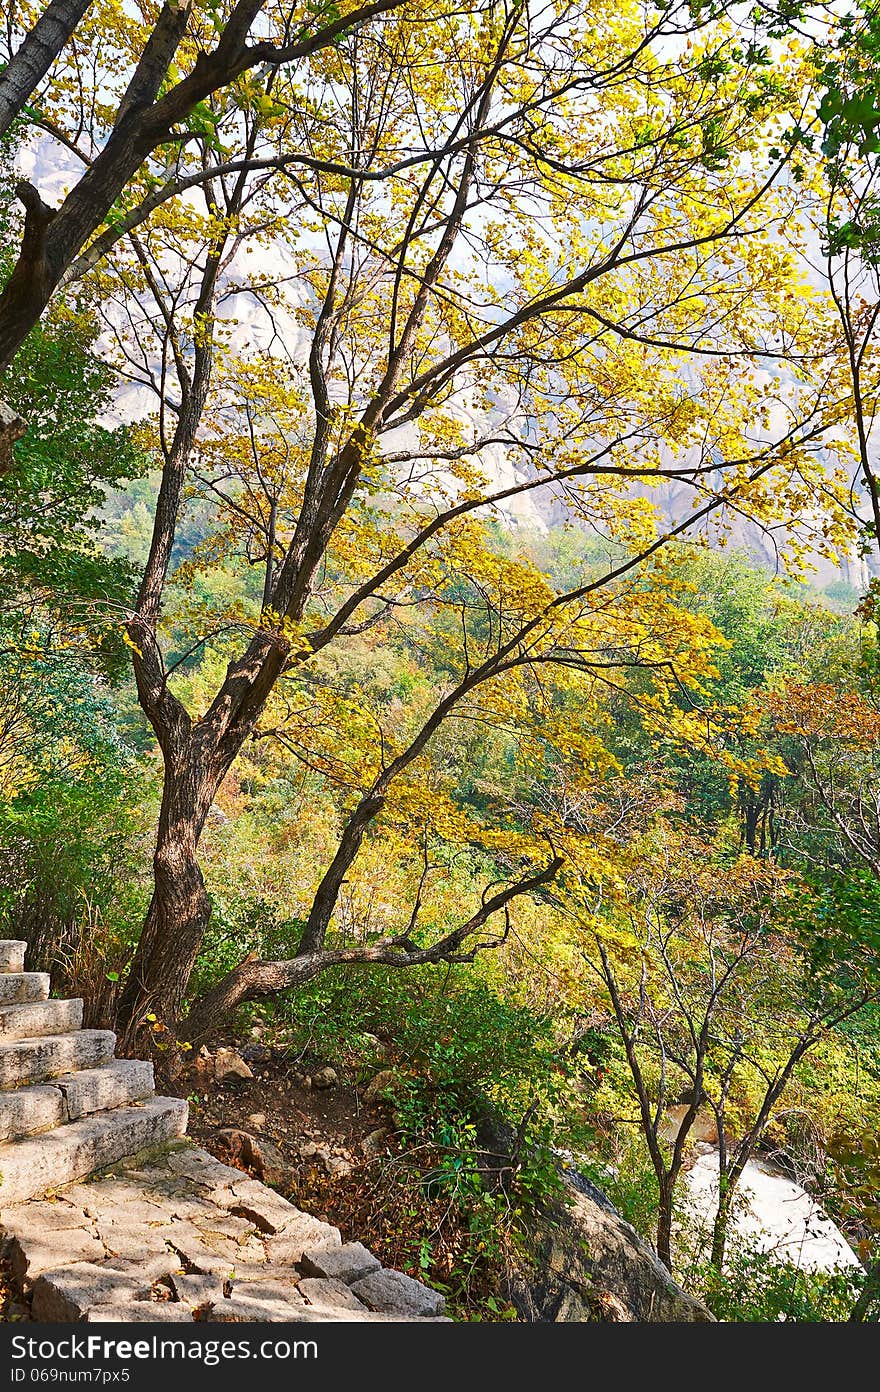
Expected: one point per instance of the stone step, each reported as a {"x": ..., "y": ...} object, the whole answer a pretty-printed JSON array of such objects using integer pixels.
[
  {"x": 40, "y": 1017},
  {"x": 24, "y": 1061},
  {"x": 97, "y": 1089},
  {"x": 29, "y": 1168},
  {"x": 28, "y": 1110},
  {"x": 12, "y": 955},
  {"x": 19, "y": 987}
]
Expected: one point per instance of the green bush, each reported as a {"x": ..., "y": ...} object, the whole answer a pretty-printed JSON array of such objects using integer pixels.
[{"x": 755, "y": 1289}]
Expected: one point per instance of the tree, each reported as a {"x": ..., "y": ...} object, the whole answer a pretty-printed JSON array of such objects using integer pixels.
[
  {"x": 396, "y": 335},
  {"x": 140, "y": 117},
  {"x": 500, "y": 270},
  {"x": 720, "y": 983}
]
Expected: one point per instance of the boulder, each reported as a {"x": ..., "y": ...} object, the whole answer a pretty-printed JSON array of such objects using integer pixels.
[
  {"x": 254, "y": 1153},
  {"x": 586, "y": 1263},
  {"x": 375, "y": 1142},
  {"x": 591, "y": 1265}
]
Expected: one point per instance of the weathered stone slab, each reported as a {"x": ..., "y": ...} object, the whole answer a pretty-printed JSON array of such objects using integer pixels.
[
  {"x": 237, "y": 1310},
  {"x": 130, "y": 1240},
  {"x": 348, "y": 1263},
  {"x": 209, "y": 1256},
  {"x": 34, "y": 1060},
  {"x": 299, "y": 1237},
  {"x": 42, "y": 1236},
  {"x": 393, "y": 1293},
  {"x": 265, "y": 1287},
  {"x": 12, "y": 955},
  {"x": 220, "y": 1224},
  {"x": 17, "y": 987},
  {"x": 329, "y": 1294},
  {"x": 27, "y": 1110},
  {"x": 69, "y": 1292},
  {"x": 140, "y": 1312},
  {"x": 97, "y": 1089},
  {"x": 30, "y": 1257},
  {"x": 31, "y": 1167},
  {"x": 264, "y": 1208},
  {"x": 203, "y": 1169},
  {"x": 196, "y": 1291},
  {"x": 40, "y": 1017}
]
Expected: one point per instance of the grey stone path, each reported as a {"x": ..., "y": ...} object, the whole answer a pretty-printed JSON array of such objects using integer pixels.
[
  {"x": 186, "y": 1238},
  {"x": 182, "y": 1237}
]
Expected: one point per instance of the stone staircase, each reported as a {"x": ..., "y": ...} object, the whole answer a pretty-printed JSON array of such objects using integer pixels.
[
  {"x": 173, "y": 1236},
  {"x": 68, "y": 1107}
]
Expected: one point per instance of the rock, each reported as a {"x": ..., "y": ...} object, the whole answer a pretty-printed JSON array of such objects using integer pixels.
[
  {"x": 33, "y": 1166},
  {"x": 264, "y": 1208},
  {"x": 12, "y": 950},
  {"x": 376, "y": 1142},
  {"x": 382, "y": 1086},
  {"x": 131, "y": 1239},
  {"x": 324, "y": 1294},
  {"x": 16, "y": 987},
  {"x": 27, "y": 1111},
  {"x": 347, "y": 1263},
  {"x": 98, "y": 1089},
  {"x": 201, "y": 1253},
  {"x": 376, "y": 1047},
  {"x": 31, "y": 1254},
  {"x": 256, "y": 1053},
  {"x": 704, "y": 1127},
  {"x": 325, "y": 1078},
  {"x": 591, "y": 1265},
  {"x": 238, "y": 1310},
  {"x": 203, "y": 1169},
  {"x": 393, "y": 1293},
  {"x": 264, "y": 1286},
  {"x": 35, "y": 1060},
  {"x": 64, "y": 1295},
  {"x": 40, "y": 1018},
  {"x": 257, "y": 1120},
  {"x": 228, "y": 1063},
  {"x": 585, "y": 1262}
]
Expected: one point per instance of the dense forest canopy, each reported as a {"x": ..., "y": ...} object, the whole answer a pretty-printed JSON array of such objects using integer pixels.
[{"x": 393, "y": 396}]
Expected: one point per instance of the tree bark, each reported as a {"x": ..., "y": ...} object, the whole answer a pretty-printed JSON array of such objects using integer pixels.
[
  {"x": 664, "y": 1220},
  {"x": 722, "y": 1222},
  {"x": 180, "y": 909},
  {"x": 29, "y": 65}
]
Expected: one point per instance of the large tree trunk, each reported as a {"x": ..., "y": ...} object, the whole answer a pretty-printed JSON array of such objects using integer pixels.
[{"x": 180, "y": 909}]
